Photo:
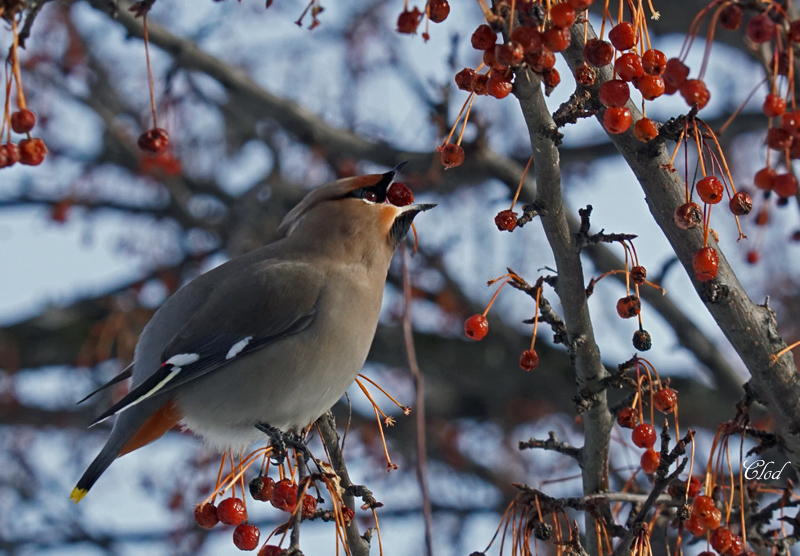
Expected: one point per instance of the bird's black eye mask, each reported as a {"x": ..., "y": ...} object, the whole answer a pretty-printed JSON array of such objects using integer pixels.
[{"x": 374, "y": 193}]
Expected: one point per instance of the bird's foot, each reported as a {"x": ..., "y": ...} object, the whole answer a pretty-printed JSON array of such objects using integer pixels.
[{"x": 281, "y": 440}]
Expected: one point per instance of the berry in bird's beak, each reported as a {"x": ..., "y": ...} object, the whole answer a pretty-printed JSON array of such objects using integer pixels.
[{"x": 399, "y": 195}]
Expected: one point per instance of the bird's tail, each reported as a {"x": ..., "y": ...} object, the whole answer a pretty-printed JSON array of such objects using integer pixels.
[{"x": 97, "y": 467}]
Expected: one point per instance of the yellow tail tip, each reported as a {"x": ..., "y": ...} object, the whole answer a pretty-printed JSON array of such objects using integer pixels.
[{"x": 77, "y": 494}]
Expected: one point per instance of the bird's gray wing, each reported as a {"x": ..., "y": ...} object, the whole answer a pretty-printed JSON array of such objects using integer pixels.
[
  {"x": 244, "y": 313},
  {"x": 125, "y": 374}
]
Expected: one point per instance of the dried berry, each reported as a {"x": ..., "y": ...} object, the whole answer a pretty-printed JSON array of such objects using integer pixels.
[
  {"x": 642, "y": 340},
  {"x": 408, "y": 21},
  {"x": 741, "y": 204},
  {"x": 688, "y": 216},
  {"x": 627, "y": 417},
  {"x": 665, "y": 400},
  {"x": 31, "y": 151},
  {"x": 638, "y": 275},
  {"x": 22, "y": 121},
  {"x": 629, "y": 306},
  {"x": 529, "y": 360},
  {"x": 154, "y": 141},
  {"x": 309, "y": 506},
  {"x": 452, "y": 155},
  {"x": 205, "y": 515},
  {"x": 506, "y": 220},
  {"x": 261, "y": 488}
]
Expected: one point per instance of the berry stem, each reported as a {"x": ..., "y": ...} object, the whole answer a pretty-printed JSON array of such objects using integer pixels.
[
  {"x": 700, "y": 156},
  {"x": 458, "y": 117},
  {"x": 15, "y": 65},
  {"x": 149, "y": 72},
  {"x": 219, "y": 478},
  {"x": 521, "y": 181},
  {"x": 536, "y": 317},
  {"x": 466, "y": 117},
  {"x": 732, "y": 117},
  {"x": 405, "y": 408},
  {"x": 785, "y": 350}
]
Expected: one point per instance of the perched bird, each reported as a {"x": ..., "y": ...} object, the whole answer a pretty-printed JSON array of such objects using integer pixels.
[{"x": 269, "y": 340}]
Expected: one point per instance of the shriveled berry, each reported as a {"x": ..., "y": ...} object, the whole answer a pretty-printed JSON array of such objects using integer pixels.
[
  {"x": 644, "y": 435},
  {"x": 499, "y": 85},
  {"x": 481, "y": 84},
  {"x": 452, "y": 155},
  {"x": 309, "y": 506},
  {"x": 506, "y": 220},
  {"x": 465, "y": 79},
  {"x": 695, "y": 525},
  {"x": 22, "y": 121},
  {"x": 774, "y": 105},
  {"x": 741, "y": 204},
  {"x": 721, "y": 539},
  {"x": 645, "y": 130},
  {"x": 490, "y": 59},
  {"x": 529, "y": 360},
  {"x": 617, "y": 120},
  {"x": 730, "y": 17},
  {"x": 205, "y": 515},
  {"x": 736, "y": 547},
  {"x": 650, "y": 461},
  {"x": 509, "y": 54},
  {"x": 622, "y": 36},
  {"x": 231, "y": 511},
  {"x": 270, "y": 550},
  {"x": 438, "y": 10},
  {"x": 347, "y": 514},
  {"x": 761, "y": 29},
  {"x": 528, "y": 37},
  {"x": 483, "y": 37},
  {"x": 638, "y": 275},
  {"x": 764, "y": 177},
  {"x": 694, "y": 91},
  {"x": 408, "y": 21},
  {"x": 665, "y": 400},
  {"x": 261, "y": 488},
  {"x": 284, "y": 497},
  {"x": 779, "y": 139},
  {"x": 703, "y": 506},
  {"x": 710, "y": 189},
  {"x": 629, "y": 66},
  {"x": 31, "y": 151},
  {"x": 614, "y": 92},
  {"x": 598, "y": 52},
  {"x": 785, "y": 185},
  {"x": 399, "y": 195},
  {"x": 706, "y": 264},
  {"x": 654, "y": 62},
  {"x": 629, "y": 306},
  {"x": 675, "y": 73},
  {"x": 557, "y": 39},
  {"x": 13, "y": 153},
  {"x": 476, "y": 327},
  {"x": 245, "y": 536},
  {"x": 627, "y": 417},
  {"x": 540, "y": 60},
  {"x": 551, "y": 79},
  {"x": 688, "y": 216},
  {"x": 584, "y": 75},
  {"x": 562, "y": 15},
  {"x": 790, "y": 121},
  {"x": 154, "y": 141},
  {"x": 642, "y": 340}
]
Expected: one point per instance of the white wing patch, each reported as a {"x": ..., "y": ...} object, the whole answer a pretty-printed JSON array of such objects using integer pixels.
[
  {"x": 182, "y": 359},
  {"x": 237, "y": 348}
]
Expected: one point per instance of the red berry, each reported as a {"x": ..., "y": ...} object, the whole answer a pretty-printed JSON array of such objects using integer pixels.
[
  {"x": 644, "y": 435},
  {"x": 774, "y": 105},
  {"x": 154, "y": 141},
  {"x": 622, "y": 36},
  {"x": 438, "y": 10},
  {"x": 638, "y": 275},
  {"x": 483, "y": 38},
  {"x": 476, "y": 327},
  {"x": 399, "y": 195},
  {"x": 675, "y": 73},
  {"x": 764, "y": 178},
  {"x": 706, "y": 264},
  {"x": 629, "y": 66},
  {"x": 452, "y": 155},
  {"x": 529, "y": 360},
  {"x": 13, "y": 154},
  {"x": 752, "y": 257},
  {"x": 347, "y": 514},
  {"x": 736, "y": 547},
  {"x": 688, "y": 216},
  {"x": 465, "y": 79},
  {"x": 785, "y": 185},
  {"x": 710, "y": 190},
  {"x": 629, "y": 306},
  {"x": 703, "y": 506},
  {"x": 730, "y": 17},
  {"x": 408, "y": 21},
  {"x": 650, "y": 461},
  {"x": 761, "y": 29},
  {"x": 31, "y": 151},
  {"x": 790, "y": 121},
  {"x": 665, "y": 400},
  {"x": 651, "y": 86},
  {"x": 562, "y": 15},
  {"x": 490, "y": 59},
  {"x": 694, "y": 91},
  {"x": 245, "y": 536},
  {"x": 627, "y": 417},
  {"x": 270, "y": 550},
  {"x": 309, "y": 506},
  {"x": 540, "y": 60},
  {"x": 654, "y": 62},
  {"x": 779, "y": 139},
  {"x": 231, "y": 511},
  {"x": 598, "y": 52},
  {"x": 22, "y": 121},
  {"x": 741, "y": 204},
  {"x": 506, "y": 220},
  {"x": 695, "y": 525},
  {"x": 509, "y": 54},
  {"x": 782, "y": 60},
  {"x": 617, "y": 120},
  {"x": 584, "y": 75},
  {"x": 528, "y": 37},
  {"x": 721, "y": 539},
  {"x": 481, "y": 84},
  {"x": 557, "y": 39},
  {"x": 645, "y": 130},
  {"x": 499, "y": 85},
  {"x": 551, "y": 78},
  {"x": 284, "y": 497},
  {"x": 694, "y": 487},
  {"x": 205, "y": 515},
  {"x": 614, "y": 92},
  {"x": 261, "y": 488}
]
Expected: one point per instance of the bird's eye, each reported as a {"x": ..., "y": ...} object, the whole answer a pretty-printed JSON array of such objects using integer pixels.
[{"x": 370, "y": 196}]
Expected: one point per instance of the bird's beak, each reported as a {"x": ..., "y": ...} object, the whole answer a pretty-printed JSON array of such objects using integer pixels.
[{"x": 416, "y": 208}]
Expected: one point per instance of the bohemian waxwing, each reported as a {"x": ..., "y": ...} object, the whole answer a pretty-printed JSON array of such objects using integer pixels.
[{"x": 272, "y": 338}]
